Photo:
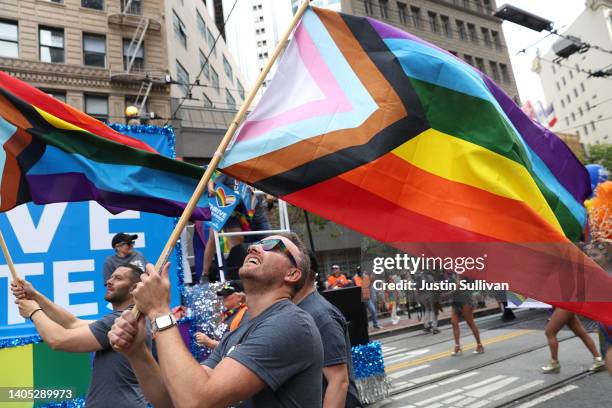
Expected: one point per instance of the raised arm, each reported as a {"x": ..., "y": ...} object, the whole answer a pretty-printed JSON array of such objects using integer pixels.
[
  {"x": 23, "y": 289},
  {"x": 78, "y": 339}
]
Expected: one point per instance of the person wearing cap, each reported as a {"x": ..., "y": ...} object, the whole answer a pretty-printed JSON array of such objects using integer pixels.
[
  {"x": 235, "y": 310},
  {"x": 123, "y": 244},
  {"x": 336, "y": 280}
]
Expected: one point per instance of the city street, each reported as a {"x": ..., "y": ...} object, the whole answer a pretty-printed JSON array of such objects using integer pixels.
[{"x": 424, "y": 375}]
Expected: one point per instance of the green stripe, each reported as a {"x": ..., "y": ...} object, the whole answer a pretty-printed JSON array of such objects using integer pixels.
[
  {"x": 61, "y": 370},
  {"x": 477, "y": 121}
]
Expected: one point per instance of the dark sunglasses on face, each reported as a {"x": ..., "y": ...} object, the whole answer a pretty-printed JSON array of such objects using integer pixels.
[{"x": 276, "y": 244}]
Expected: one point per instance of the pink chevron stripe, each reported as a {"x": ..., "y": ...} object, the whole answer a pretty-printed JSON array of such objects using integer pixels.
[{"x": 334, "y": 102}]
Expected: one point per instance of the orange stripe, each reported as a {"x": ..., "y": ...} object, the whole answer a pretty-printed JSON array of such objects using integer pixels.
[
  {"x": 13, "y": 115},
  {"x": 390, "y": 110},
  {"x": 450, "y": 202}
]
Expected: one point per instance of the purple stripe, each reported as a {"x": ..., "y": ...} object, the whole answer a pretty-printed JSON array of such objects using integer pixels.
[
  {"x": 559, "y": 159},
  {"x": 56, "y": 188}
]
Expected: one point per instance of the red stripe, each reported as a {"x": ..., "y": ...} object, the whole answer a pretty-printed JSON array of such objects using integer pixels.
[
  {"x": 359, "y": 209},
  {"x": 67, "y": 113}
]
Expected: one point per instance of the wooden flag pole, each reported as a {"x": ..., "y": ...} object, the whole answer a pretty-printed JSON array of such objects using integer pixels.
[
  {"x": 201, "y": 187},
  {"x": 7, "y": 256}
]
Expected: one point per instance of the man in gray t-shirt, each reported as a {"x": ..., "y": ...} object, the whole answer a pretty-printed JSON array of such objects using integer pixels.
[
  {"x": 273, "y": 360},
  {"x": 123, "y": 244},
  {"x": 113, "y": 382}
]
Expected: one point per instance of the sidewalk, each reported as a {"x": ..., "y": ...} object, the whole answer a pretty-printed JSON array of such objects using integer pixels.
[{"x": 412, "y": 324}]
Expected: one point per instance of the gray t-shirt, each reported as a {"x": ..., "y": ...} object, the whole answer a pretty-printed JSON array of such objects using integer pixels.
[
  {"x": 336, "y": 343},
  {"x": 114, "y": 261},
  {"x": 283, "y": 348},
  {"x": 113, "y": 383}
]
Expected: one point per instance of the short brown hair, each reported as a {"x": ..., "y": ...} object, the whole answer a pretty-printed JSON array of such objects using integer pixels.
[
  {"x": 135, "y": 272},
  {"x": 303, "y": 263}
]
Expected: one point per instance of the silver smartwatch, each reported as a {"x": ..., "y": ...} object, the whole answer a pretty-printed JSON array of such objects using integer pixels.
[{"x": 162, "y": 323}]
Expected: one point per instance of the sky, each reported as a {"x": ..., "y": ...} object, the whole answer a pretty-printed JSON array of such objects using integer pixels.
[{"x": 562, "y": 13}]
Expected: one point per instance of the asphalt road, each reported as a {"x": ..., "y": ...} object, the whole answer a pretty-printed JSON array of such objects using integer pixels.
[{"x": 424, "y": 375}]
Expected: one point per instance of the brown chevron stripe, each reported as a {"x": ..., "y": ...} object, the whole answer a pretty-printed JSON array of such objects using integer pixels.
[
  {"x": 11, "y": 176},
  {"x": 390, "y": 110}
]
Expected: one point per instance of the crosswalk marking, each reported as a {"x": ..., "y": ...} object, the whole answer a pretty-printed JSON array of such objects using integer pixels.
[
  {"x": 405, "y": 356},
  {"x": 413, "y": 392},
  {"x": 484, "y": 382},
  {"x": 439, "y": 397},
  {"x": 433, "y": 376},
  {"x": 407, "y": 371},
  {"x": 458, "y": 378},
  {"x": 453, "y": 399},
  {"x": 548, "y": 396},
  {"x": 466, "y": 401},
  {"x": 524, "y": 387},
  {"x": 482, "y": 391}
]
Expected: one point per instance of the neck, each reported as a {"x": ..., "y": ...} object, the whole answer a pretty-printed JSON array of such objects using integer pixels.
[
  {"x": 123, "y": 305},
  {"x": 304, "y": 292},
  {"x": 259, "y": 302}
]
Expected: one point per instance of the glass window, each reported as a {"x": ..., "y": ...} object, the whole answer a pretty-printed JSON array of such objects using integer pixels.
[
  {"x": 472, "y": 33},
  {"x": 461, "y": 29},
  {"x": 182, "y": 76},
  {"x": 587, "y": 105},
  {"x": 9, "y": 39},
  {"x": 494, "y": 70},
  {"x": 94, "y": 50},
  {"x": 51, "y": 44},
  {"x": 468, "y": 59},
  {"x": 97, "y": 106},
  {"x": 582, "y": 88},
  {"x": 201, "y": 24},
  {"x": 554, "y": 70},
  {"x": 369, "y": 7},
  {"x": 207, "y": 102},
  {"x": 433, "y": 22},
  {"x": 446, "y": 27},
  {"x": 562, "y": 103},
  {"x": 571, "y": 74},
  {"x": 558, "y": 86},
  {"x": 575, "y": 92},
  {"x": 480, "y": 65},
  {"x": 401, "y": 13},
  {"x": 204, "y": 65},
  {"x": 214, "y": 78},
  {"x": 59, "y": 95},
  {"x": 138, "y": 63},
  {"x": 486, "y": 37},
  {"x": 228, "y": 69},
  {"x": 211, "y": 41},
  {"x": 563, "y": 80},
  {"x": 505, "y": 74},
  {"x": 229, "y": 100},
  {"x": 580, "y": 110},
  {"x": 573, "y": 117},
  {"x": 592, "y": 125},
  {"x": 240, "y": 89},
  {"x": 384, "y": 8},
  {"x": 93, "y": 4},
  {"x": 416, "y": 16},
  {"x": 179, "y": 29},
  {"x": 134, "y": 8}
]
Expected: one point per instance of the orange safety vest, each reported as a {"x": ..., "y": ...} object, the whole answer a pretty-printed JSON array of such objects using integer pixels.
[{"x": 236, "y": 322}]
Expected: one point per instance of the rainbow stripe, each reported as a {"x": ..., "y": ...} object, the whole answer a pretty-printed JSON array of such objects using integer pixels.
[
  {"x": 380, "y": 131},
  {"x": 54, "y": 153}
]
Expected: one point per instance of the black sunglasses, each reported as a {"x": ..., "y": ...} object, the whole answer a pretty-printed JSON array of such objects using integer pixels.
[{"x": 274, "y": 244}]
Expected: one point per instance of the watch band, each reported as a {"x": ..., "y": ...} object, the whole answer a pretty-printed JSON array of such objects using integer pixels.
[{"x": 162, "y": 323}]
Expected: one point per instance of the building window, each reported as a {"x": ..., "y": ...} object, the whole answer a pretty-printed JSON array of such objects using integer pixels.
[
  {"x": 179, "y": 29},
  {"x": 446, "y": 27},
  {"x": 9, "y": 39},
  {"x": 478, "y": 5},
  {"x": 369, "y": 7},
  {"x": 575, "y": 92},
  {"x": 204, "y": 65},
  {"x": 229, "y": 100},
  {"x": 51, "y": 44},
  {"x": 228, "y": 69},
  {"x": 480, "y": 65},
  {"x": 416, "y": 16},
  {"x": 582, "y": 87},
  {"x": 554, "y": 70},
  {"x": 487, "y": 5},
  {"x": 496, "y": 40},
  {"x": 573, "y": 117},
  {"x": 94, "y": 50},
  {"x": 494, "y": 70},
  {"x": 558, "y": 86},
  {"x": 401, "y": 13},
  {"x": 461, "y": 29},
  {"x": 486, "y": 37},
  {"x": 466, "y": 3},
  {"x": 592, "y": 125},
  {"x": 59, "y": 95},
  {"x": 433, "y": 22},
  {"x": 214, "y": 78},
  {"x": 207, "y": 102},
  {"x": 93, "y": 4},
  {"x": 468, "y": 59},
  {"x": 562, "y": 103},
  {"x": 97, "y": 106},
  {"x": 211, "y": 41},
  {"x": 566, "y": 121},
  {"x": 182, "y": 76},
  {"x": 472, "y": 33},
  {"x": 587, "y": 105},
  {"x": 240, "y": 89},
  {"x": 567, "y": 97},
  {"x": 580, "y": 110},
  {"x": 383, "y": 5},
  {"x": 201, "y": 24},
  {"x": 505, "y": 74},
  {"x": 586, "y": 130},
  {"x": 138, "y": 55},
  {"x": 563, "y": 80},
  {"x": 135, "y": 7}
]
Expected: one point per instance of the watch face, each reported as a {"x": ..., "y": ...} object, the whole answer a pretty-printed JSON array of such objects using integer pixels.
[{"x": 163, "y": 321}]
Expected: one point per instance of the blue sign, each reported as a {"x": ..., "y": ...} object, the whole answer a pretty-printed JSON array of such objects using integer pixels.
[
  {"x": 222, "y": 206},
  {"x": 61, "y": 248}
]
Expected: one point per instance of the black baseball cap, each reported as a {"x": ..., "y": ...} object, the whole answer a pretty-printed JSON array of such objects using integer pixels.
[
  {"x": 230, "y": 287},
  {"x": 123, "y": 237}
]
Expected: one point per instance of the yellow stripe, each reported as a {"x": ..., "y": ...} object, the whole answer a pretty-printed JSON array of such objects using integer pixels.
[
  {"x": 17, "y": 370},
  {"x": 461, "y": 161},
  {"x": 57, "y": 122},
  {"x": 437, "y": 356}
]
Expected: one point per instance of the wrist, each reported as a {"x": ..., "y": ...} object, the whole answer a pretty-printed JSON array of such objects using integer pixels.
[{"x": 158, "y": 312}]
